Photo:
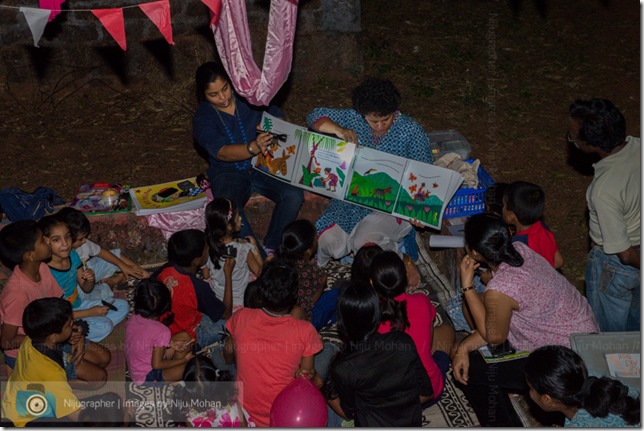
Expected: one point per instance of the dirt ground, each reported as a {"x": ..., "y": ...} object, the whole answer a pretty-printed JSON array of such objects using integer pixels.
[{"x": 503, "y": 73}]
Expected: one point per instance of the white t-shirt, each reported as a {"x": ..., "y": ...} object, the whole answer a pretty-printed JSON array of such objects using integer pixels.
[
  {"x": 88, "y": 250},
  {"x": 241, "y": 274}
]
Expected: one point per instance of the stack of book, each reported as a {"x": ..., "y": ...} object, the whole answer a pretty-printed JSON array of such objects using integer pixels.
[{"x": 173, "y": 196}]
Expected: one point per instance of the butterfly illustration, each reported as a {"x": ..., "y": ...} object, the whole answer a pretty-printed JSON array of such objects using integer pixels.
[
  {"x": 412, "y": 177},
  {"x": 413, "y": 188},
  {"x": 291, "y": 149},
  {"x": 435, "y": 185}
]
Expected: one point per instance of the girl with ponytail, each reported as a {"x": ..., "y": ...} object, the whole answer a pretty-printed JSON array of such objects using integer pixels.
[
  {"x": 526, "y": 303},
  {"x": 223, "y": 223},
  {"x": 412, "y": 313},
  {"x": 559, "y": 381},
  {"x": 378, "y": 379}
]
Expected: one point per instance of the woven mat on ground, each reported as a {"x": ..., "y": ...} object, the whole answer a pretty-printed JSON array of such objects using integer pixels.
[{"x": 153, "y": 403}]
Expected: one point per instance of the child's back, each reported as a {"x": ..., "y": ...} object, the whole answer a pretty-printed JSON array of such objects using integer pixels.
[
  {"x": 241, "y": 274},
  {"x": 378, "y": 379},
  {"x": 268, "y": 352},
  {"x": 209, "y": 395},
  {"x": 152, "y": 353},
  {"x": 299, "y": 245},
  {"x": 270, "y": 345},
  {"x": 223, "y": 222}
]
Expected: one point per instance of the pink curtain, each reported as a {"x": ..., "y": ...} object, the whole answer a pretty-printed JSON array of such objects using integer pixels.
[{"x": 232, "y": 36}]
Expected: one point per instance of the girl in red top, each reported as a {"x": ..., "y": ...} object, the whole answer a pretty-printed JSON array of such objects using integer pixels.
[{"x": 412, "y": 313}]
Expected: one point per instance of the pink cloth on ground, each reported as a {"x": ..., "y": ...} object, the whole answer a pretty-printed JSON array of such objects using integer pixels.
[
  {"x": 169, "y": 223},
  {"x": 19, "y": 292},
  {"x": 421, "y": 313},
  {"x": 550, "y": 308},
  {"x": 268, "y": 351},
  {"x": 141, "y": 337}
]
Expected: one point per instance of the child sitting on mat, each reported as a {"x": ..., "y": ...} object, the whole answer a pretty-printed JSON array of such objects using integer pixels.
[
  {"x": 269, "y": 346},
  {"x": 223, "y": 222},
  {"x": 105, "y": 263},
  {"x": 152, "y": 353},
  {"x": 210, "y": 399},
  {"x": 38, "y": 388},
  {"x": 196, "y": 308},
  {"x": 66, "y": 267},
  {"x": 298, "y": 245}
]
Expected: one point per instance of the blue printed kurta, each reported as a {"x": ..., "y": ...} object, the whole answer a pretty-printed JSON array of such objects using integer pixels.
[{"x": 406, "y": 138}]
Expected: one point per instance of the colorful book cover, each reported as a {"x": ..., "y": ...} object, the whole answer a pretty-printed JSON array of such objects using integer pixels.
[
  {"x": 167, "y": 197},
  {"x": 101, "y": 198}
]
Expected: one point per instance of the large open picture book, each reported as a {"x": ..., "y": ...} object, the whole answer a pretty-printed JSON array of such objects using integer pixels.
[{"x": 364, "y": 176}]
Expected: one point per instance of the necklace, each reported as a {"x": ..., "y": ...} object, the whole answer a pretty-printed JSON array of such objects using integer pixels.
[
  {"x": 273, "y": 314},
  {"x": 243, "y": 165},
  {"x": 239, "y": 124}
]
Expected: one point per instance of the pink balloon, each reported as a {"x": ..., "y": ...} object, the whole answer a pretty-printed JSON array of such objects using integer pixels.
[{"x": 300, "y": 404}]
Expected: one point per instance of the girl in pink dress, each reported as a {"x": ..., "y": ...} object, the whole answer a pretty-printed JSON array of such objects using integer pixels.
[{"x": 207, "y": 397}]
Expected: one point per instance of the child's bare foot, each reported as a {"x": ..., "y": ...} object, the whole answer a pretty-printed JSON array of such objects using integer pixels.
[
  {"x": 115, "y": 280},
  {"x": 413, "y": 275}
]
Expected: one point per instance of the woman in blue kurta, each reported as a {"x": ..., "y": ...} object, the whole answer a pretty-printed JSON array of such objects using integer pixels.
[
  {"x": 373, "y": 122},
  {"x": 225, "y": 127}
]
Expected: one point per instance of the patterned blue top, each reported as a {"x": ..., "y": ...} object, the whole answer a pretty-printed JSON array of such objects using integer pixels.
[
  {"x": 209, "y": 131},
  {"x": 583, "y": 419},
  {"x": 405, "y": 138}
]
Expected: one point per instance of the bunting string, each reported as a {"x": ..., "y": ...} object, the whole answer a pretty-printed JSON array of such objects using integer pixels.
[{"x": 112, "y": 18}]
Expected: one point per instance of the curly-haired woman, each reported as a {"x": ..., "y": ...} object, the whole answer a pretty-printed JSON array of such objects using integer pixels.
[{"x": 373, "y": 122}]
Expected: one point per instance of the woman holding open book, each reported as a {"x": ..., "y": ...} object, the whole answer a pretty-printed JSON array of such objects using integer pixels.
[
  {"x": 526, "y": 303},
  {"x": 225, "y": 128},
  {"x": 373, "y": 122}
]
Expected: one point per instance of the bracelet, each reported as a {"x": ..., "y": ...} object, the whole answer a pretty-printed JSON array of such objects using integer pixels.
[
  {"x": 249, "y": 150},
  {"x": 465, "y": 289}
]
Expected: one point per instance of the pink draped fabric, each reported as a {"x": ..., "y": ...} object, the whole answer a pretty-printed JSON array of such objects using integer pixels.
[{"x": 232, "y": 36}]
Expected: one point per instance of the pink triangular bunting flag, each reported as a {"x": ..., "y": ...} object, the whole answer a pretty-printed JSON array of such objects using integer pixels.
[
  {"x": 52, "y": 5},
  {"x": 215, "y": 8},
  {"x": 112, "y": 20},
  {"x": 36, "y": 20},
  {"x": 159, "y": 14}
]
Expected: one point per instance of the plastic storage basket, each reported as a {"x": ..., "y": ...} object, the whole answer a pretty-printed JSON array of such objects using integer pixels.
[{"x": 467, "y": 202}]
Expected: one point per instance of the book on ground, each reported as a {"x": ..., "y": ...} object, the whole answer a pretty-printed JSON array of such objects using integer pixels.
[
  {"x": 402, "y": 187},
  {"x": 172, "y": 196},
  {"x": 102, "y": 198},
  {"x": 490, "y": 359}
]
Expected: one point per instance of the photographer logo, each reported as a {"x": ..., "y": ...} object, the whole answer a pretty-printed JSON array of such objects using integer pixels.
[{"x": 36, "y": 405}]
